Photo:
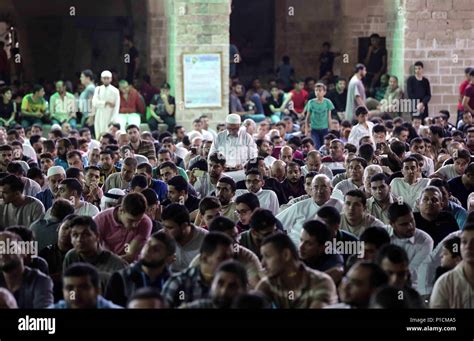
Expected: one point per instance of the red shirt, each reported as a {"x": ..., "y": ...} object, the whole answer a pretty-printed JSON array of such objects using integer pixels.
[
  {"x": 299, "y": 100},
  {"x": 469, "y": 92},
  {"x": 133, "y": 104},
  {"x": 115, "y": 237},
  {"x": 462, "y": 89}
]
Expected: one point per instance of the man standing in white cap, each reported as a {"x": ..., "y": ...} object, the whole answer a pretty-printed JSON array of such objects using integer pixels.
[
  {"x": 235, "y": 144},
  {"x": 105, "y": 104}
]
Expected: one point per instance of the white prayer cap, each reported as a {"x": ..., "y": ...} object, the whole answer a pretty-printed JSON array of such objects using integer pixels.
[
  {"x": 56, "y": 170},
  {"x": 193, "y": 135},
  {"x": 106, "y": 73},
  {"x": 55, "y": 127},
  {"x": 233, "y": 119}
]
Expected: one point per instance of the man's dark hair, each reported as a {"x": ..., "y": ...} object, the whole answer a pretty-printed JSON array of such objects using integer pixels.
[
  {"x": 132, "y": 126},
  {"x": 212, "y": 241},
  {"x": 89, "y": 74},
  {"x": 469, "y": 169},
  {"x": 375, "y": 235},
  {"x": 398, "y": 147},
  {"x": 15, "y": 168},
  {"x": 61, "y": 209},
  {"x": 179, "y": 183},
  {"x": 208, "y": 203},
  {"x": 379, "y": 128},
  {"x": 358, "y": 194},
  {"x": 280, "y": 242},
  {"x": 84, "y": 221},
  {"x": 134, "y": 204},
  {"x": 15, "y": 183},
  {"x": 229, "y": 181},
  {"x": 453, "y": 245},
  {"x": 318, "y": 230},
  {"x": 21, "y": 231},
  {"x": 361, "y": 110},
  {"x": 419, "y": 63},
  {"x": 393, "y": 253},
  {"x": 177, "y": 213},
  {"x": 249, "y": 199},
  {"x": 366, "y": 152},
  {"x": 73, "y": 185},
  {"x": 34, "y": 173},
  {"x": 147, "y": 293},
  {"x": 359, "y": 67},
  {"x": 253, "y": 171},
  {"x": 168, "y": 164},
  {"x": 397, "y": 210},
  {"x": 308, "y": 140},
  {"x": 221, "y": 224},
  {"x": 139, "y": 180},
  {"x": 73, "y": 172},
  {"x": 35, "y": 139},
  {"x": 217, "y": 157},
  {"x": 82, "y": 270},
  {"x": 380, "y": 177},
  {"x": 14, "y": 132},
  {"x": 236, "y": 268},
  {"x": 262, "y": 219},
  {"x": 436, "y": 130},
  {"x": 167, "y": 240},
  {"x": 331, "y": 214}
]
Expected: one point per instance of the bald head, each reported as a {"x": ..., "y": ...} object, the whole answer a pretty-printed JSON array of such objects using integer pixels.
[
  {"x": 322, "y": 189},
  {"x": 313, "y": 161},
  {"x": 286, "y": 154},
  {"x": 278, "y": 170}
]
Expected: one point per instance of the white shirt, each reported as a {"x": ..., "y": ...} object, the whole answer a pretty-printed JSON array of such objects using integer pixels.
[
  {"x": 428, "y": 164},
  {"x": 86, "y": 209},
  {"x": 205, "y": 134},
  {"x": 30, "y": 152},
  {"x": 181, "y": 152},
  {"x": 408, "y": 193},
  {"x": 295, "y": 216},
  {"x": 367, "y": 221},
  {"x": 418, "y": 249},
  {"x": 453, "y": 291},
  {"x": 345, "y": 186},
  {"x": 448, "y": 172},
  {"x": 358, "y": 132},
  {"x": 236, "y": 149},
  {"x": 269, "y": 161},
  {"x": 267, "y": 198},
  {"x": 427, "y": 269},
  {"x": 31, "y": 187}
]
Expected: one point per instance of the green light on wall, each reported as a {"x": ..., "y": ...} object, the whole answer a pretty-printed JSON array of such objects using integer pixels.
[{"x": 396, "y": 63}]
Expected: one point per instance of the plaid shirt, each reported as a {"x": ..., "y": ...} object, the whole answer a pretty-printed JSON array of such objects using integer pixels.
[
  {"x": 185, "y": 287},
  {"x": 145, "y": 148}
]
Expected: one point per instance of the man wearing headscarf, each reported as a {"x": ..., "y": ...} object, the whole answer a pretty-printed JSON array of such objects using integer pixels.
[{"x": 105, "y": 104}]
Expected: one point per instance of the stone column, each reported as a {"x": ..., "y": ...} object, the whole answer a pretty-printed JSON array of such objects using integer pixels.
[{"x": 197, "y": 26}]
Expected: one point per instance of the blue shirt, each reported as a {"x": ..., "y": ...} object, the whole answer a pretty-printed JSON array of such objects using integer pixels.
[
  {"x": 160, "y": 188},
  {"x": 46, "y": 197},
  {"x": 459, "y": 213},
  {"x": 102, "y": 303}
]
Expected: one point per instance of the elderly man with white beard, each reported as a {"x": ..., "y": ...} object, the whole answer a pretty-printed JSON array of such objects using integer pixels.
[{"x": 295, "y": 216}]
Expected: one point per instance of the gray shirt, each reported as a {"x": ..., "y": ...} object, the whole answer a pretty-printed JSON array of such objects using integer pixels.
[
  {"x": 354, "y": 89},
  {"x": 24, "y": 215},
  {"x": 45, "y": 231},
  {"x": 186, "y": 253}
]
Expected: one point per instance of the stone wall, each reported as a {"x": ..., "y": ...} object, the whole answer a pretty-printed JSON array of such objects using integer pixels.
[
  {"x": 157, "y": 34},
  {"x": 441, "y": 34},
  {"x": 197, "y": 26}
]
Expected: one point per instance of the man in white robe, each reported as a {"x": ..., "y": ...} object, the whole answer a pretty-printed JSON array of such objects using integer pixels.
[{"x": 105, "y": 104}]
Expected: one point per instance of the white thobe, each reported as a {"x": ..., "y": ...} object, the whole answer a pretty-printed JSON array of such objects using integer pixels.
[{"x": 104, "y": 115}]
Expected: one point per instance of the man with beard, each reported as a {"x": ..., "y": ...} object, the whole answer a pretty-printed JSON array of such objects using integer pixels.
[
  {"x": 139, "y": 145},
  {"x": 229, "y": 282},
  {"x": 293, "y": 185},
  {"x": 381, "y": 199},
  {"x": 107, "y": 166},
  {"x": 105, "y": 105},
  {"x": 417, "y": 243},
  {"x": 55, "y": 174},
  {"x": 295, "y": 216},
  {"x": 194, "y": 282},
  {"x": 122, "y": 180},
  {"x": 355, "y": 171},
  {"x": 32, "y": 289},
  {"x": 6, "y": 156},
  {"x": 63, "y": 146},
  {"x": 151, "y": 269},
  {"x": 335, "y": 159},
  {"x": 265, "y": 149},
  {"x": 207, "y": 183},
  {"x": 177, "y": 223},
  {"x": 225, "y": 191},
  {"x": 289, "y": 283}
]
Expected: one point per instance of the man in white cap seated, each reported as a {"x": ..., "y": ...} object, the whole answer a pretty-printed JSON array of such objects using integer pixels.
[
  {"x": 235, "y": 144},
  {"x": 105, "y": 105},
  {"x": 56, "y": 174}
]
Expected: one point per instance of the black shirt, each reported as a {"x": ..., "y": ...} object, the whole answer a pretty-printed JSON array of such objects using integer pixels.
[
  {"x": 459, "y": 190},
  {"x": 277, "y": 103},
  {"x": 293, "y": 190},
  {"x": 6, "y": 110},
  {"x": 439, "y": 228},
  {"x": 376, "y": 60},
  {"x": 160, "y": 105},
  {"x": 326, "y": 62},
  {"x": 339, "y": 100},
  {"x": 192, "y": 203},
  {"x": 419, "y": 90},
  {"x": 271, "y": 184}
]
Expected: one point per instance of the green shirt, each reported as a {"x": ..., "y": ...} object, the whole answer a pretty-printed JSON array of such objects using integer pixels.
[
  {"x": 29, "y": 105},
  {"x": 318, "y": 112}
]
